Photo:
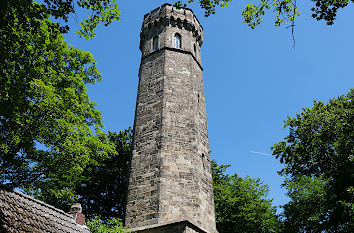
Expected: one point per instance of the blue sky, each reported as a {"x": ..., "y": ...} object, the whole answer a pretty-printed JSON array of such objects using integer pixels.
[{"x": 253, "y": 79}]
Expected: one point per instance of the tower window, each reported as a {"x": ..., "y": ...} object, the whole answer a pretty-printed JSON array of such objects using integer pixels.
[
  {"x": 195, "y": 49},
  {"x": 203, "y": 158},
  {"x": 155, "y": 43},
  {"x": 177, "y": 41}
]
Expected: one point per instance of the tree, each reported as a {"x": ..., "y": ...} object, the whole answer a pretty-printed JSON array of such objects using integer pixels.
[
  {"x": 285, "y": 10},
  {"x": 115, "y": 225},
  {"x": 49, "y": 128},
  {"x": 29, "y": 13},
  {"x": 104, "y": 188},
  {"x": 307, "y": 205},
  {"x": 102, "y": 185},
  {"x": 241, "y": 204},
  {"x": 319, "y": 150}
]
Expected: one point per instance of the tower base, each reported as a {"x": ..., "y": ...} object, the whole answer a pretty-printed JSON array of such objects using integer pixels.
[{"x": 183, "y": 226}]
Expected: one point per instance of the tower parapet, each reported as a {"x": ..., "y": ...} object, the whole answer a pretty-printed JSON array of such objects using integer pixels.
[{"x": 178, "y": 20}]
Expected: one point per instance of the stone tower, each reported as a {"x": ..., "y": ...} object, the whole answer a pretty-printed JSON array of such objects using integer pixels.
[{"x": 170, "y": 184}]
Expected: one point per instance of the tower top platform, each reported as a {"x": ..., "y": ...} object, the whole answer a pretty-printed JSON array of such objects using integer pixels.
[{"x": 169, "y": 14}]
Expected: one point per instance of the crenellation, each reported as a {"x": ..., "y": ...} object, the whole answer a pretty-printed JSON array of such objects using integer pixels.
[
  {"x": 168, "y": 11},
  {"x": 167, "y": 15}
]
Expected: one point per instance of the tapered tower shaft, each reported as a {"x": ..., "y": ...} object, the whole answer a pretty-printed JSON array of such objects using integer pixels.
[{"x": 170, "y": 184}]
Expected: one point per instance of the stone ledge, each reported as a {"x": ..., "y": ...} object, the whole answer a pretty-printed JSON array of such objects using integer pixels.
[
  {"x": 174, "y": 50},
  {"x": 185, "y": 222}
]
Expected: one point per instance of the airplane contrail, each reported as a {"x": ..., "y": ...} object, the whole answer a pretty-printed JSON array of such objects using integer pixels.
[{"x": 260, "y": 153}]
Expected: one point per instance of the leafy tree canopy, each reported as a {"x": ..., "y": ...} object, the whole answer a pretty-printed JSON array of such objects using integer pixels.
[
  {"x": 28, "y": 12},
  {"x": 318, "y": 155},
  {"x": 241, "y": 204},
  {"x": 304, "y": 211},
  {"x": 114, "y": 225},
  {"x": 49, "y": 128},
  {"x": 104, "y": 186},
  {"x": 284, "y": 11}
]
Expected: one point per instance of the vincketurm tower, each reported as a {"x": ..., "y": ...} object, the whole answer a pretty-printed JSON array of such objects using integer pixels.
[{"x": 170, "y": 184}]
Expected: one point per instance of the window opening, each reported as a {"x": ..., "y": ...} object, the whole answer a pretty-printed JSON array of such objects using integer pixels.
[
  {"x": 155, "y": 43},
  {"x": 195, "y": 49},
  {"x": 203, "y": 160},
  {"x": 177, "y": 41}
]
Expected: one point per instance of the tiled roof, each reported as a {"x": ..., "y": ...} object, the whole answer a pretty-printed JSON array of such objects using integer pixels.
[{"x": 22, "y": 213}]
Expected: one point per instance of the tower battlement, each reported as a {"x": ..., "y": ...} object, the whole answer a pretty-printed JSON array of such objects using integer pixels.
[{"x": 168, "y": 15}]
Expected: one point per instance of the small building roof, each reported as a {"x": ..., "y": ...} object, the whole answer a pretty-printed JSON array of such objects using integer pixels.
[{"x": 23, "y": 213}]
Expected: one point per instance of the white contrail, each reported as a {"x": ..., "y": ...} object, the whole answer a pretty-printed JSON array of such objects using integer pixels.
[{"x": 260, "y": 153}]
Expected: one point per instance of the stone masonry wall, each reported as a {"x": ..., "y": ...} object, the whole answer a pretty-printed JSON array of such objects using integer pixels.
[{"x": 143, "y": 198}]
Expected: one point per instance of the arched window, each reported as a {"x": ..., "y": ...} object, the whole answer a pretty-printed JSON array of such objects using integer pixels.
[
  {"x": 155, "y": 43},
  {"x": 178, "y": 41}
]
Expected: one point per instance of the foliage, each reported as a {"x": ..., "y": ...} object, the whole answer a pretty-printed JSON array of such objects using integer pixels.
[
  {"x": 241, "y": 204},
  {"x": 304, "y": 211},
  {"x": 105, "y": 184},
  {"x": 114, "y": 225},
  {"x": 102, "y": 185},
  {"x": 285, "y": 11},
  {"x": 49, "y": 128},
  {"x": 320, "y": 146},
  {"x": 28, "y": 12},
  {"x": 208, "y": 5}
]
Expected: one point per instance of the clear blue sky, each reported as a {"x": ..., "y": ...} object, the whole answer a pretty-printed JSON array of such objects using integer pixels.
[{"x": 253, "y": 79}]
